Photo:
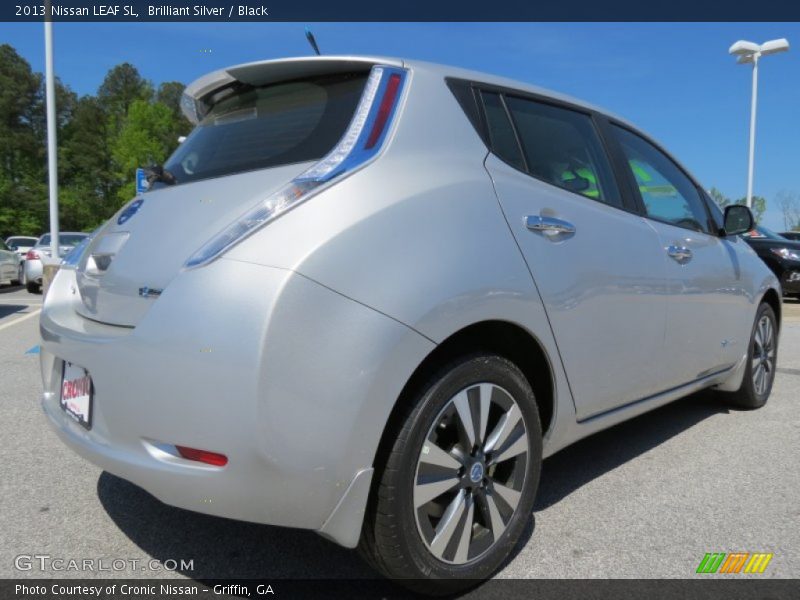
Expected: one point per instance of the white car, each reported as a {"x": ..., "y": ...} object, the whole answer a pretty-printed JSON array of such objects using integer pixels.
[
  {"x": 8, "y": 265},
  {"x": 32, "y": 272},
  {"x": 21, "y": 244}
]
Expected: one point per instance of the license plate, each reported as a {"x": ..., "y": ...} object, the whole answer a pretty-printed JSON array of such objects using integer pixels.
[{"x": 76, "y": 394}]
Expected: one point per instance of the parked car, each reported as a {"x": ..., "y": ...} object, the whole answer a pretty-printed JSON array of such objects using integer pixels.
[
  {"x": 32, "y": 270},
  {"x": 791, "y": 235},
  {"x": 21, "y": 244},
  {"x": 782, "y": 255},
  {"x": 415, "y": 284},
  {"x": 9, "y": 265}
]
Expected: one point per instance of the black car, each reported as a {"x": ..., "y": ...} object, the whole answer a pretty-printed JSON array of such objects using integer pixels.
[
  {"x": 791, "y": 235},
  {"x": 781, "y": 255}
]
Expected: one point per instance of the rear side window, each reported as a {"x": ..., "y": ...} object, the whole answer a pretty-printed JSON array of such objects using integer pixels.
[
  {"x": 563, "y": 148},
  {"x": 269, "y": 126},
  {"x": 668, "y": 194},
  {"x": 501, "y": 133}
]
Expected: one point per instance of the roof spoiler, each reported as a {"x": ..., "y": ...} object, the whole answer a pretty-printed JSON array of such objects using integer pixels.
[{"x": 203, "y": 93}]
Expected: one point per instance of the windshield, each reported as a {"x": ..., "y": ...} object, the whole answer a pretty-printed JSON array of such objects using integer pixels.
[
  {"x": 64, "y": 239},
  {"x": 762, "y": 232},
  {"x": 16, "y": 242},
  {"x": 268, "y": 126}
]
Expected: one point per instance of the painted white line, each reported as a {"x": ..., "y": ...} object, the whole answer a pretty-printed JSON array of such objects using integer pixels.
[
  {"x": 22, "y": 318},
  {"x": 20, "y": 302}
]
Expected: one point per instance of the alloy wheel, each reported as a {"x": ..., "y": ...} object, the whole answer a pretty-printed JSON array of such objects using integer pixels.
[
  {"x": 763, "y": 358},
  {"x": 470, "y": 473}
]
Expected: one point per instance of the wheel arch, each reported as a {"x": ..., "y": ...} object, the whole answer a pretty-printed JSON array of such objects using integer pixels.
[
  {"x": 503, "y": 338},
  {"x": 773, "y": 298}
]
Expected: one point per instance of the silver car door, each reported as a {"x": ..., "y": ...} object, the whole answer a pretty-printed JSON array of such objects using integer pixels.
[
  {"x": 598, "y": 267},
  {"x": 707, "y": 300}
]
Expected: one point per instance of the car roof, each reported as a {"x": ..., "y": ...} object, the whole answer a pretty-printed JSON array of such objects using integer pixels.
[{"x": 265, "y": 71}]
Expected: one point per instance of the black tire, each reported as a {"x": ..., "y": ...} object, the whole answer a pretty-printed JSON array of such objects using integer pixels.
[
  {"x": 32, "y": 287},
  {"x": 748, "y": 396},
  {"x": 391, "y": 540}
]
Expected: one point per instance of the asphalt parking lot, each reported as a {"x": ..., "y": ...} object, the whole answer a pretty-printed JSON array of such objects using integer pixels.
[{"x": 646, "y": 499}]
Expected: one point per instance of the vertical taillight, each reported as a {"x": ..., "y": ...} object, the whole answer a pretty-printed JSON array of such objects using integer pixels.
[
  {"x": 32, "y": 255},
  {"x": 384, "y": 110}
]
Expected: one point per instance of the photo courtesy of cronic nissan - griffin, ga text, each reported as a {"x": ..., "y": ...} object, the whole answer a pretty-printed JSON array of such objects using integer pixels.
[{"x": 368, "y": 296}]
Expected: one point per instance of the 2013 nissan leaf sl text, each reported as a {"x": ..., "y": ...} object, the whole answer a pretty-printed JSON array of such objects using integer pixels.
[{"x": 368, "y": 296}]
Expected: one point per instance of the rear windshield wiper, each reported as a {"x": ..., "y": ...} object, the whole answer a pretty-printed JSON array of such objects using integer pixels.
[{"x": 156, "y": 173}]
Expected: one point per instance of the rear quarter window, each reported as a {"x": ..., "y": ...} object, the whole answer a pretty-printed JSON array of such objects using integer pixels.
[{"x": 269, "y": 126}]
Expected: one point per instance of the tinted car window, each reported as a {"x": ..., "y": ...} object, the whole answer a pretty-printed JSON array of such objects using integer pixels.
[
  {"x": 501, "y": 133},
  {"x": 68, "y": 239},
  {"x": 562, "y": 148},
  {"x": 667, "y": 193},
  {"x": 16, "y": 242},
  {"x": 268, "y": 126}
]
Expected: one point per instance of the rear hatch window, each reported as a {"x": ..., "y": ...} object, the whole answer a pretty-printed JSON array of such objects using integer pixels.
[{"x": 253, "y": 128}]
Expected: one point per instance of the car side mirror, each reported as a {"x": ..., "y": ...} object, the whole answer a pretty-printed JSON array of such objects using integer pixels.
[{"x": 738, "y": 219}]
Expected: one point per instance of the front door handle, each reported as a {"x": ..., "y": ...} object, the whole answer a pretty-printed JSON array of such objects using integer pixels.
[
  {"x": 680, "y": 254},
  {"x": 548, "y": 225}
]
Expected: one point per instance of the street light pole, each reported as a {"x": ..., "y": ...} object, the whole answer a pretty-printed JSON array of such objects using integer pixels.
[
  {"x": 52, "y": 165},
  {"x": 751, "y": 157},
  {"x": 750, "y": 52}
]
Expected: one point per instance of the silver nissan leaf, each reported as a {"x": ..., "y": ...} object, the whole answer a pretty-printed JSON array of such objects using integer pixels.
[{"x": 368, "y": 296}]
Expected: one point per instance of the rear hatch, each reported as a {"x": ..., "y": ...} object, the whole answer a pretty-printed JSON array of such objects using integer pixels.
[{"x": 259, "y": 126}]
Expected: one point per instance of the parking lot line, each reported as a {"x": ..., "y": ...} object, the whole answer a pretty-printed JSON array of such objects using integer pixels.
[{"x": 22, "y": 318}]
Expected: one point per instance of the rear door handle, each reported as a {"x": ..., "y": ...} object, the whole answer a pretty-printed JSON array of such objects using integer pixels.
[
  {"x": 548, "y": 225},
  {"x": 680, "y": 254}
]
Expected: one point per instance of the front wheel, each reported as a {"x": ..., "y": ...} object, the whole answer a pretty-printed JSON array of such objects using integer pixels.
[
  {"x": 762, "y": 359},
  {"x": 458, "y": 486}
]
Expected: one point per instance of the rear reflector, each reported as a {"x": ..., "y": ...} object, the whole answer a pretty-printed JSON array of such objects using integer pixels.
[{"x": 203, "y": 456}]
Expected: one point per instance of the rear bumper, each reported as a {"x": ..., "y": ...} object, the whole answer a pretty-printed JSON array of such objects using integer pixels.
[
  {"x": 291, "y": 381},
  {"x": 33, "y": 271}
]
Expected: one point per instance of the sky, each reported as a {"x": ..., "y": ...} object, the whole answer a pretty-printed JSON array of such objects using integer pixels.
[{"x": 676, "y": 81}]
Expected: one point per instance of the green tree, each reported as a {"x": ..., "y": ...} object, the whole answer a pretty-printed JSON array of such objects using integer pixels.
[
  {"x": 122, "y": 86},
  {"x": 145, "y": 139},
  {"x": 85, "y": 164},
  {"x": 23, "y": 206},
  {"x": 102, "y": 139},
  {"x": 169, "y": 93},
  {"x": 718, "y": 197},
  {"x": 759, "y": 205}
]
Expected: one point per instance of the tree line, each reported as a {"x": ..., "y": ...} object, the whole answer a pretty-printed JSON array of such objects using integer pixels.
[{"x": 102, "y": 139}]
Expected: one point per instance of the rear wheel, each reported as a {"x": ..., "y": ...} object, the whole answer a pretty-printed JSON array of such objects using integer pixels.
[
  {"x": 32, "y": 287},
  {"x": 459, "y": 483},
  {"x": 762, "y": 360}
]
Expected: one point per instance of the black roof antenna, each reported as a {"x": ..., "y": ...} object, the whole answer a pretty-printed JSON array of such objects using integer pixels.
[{"x": 312, "y": 41}]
